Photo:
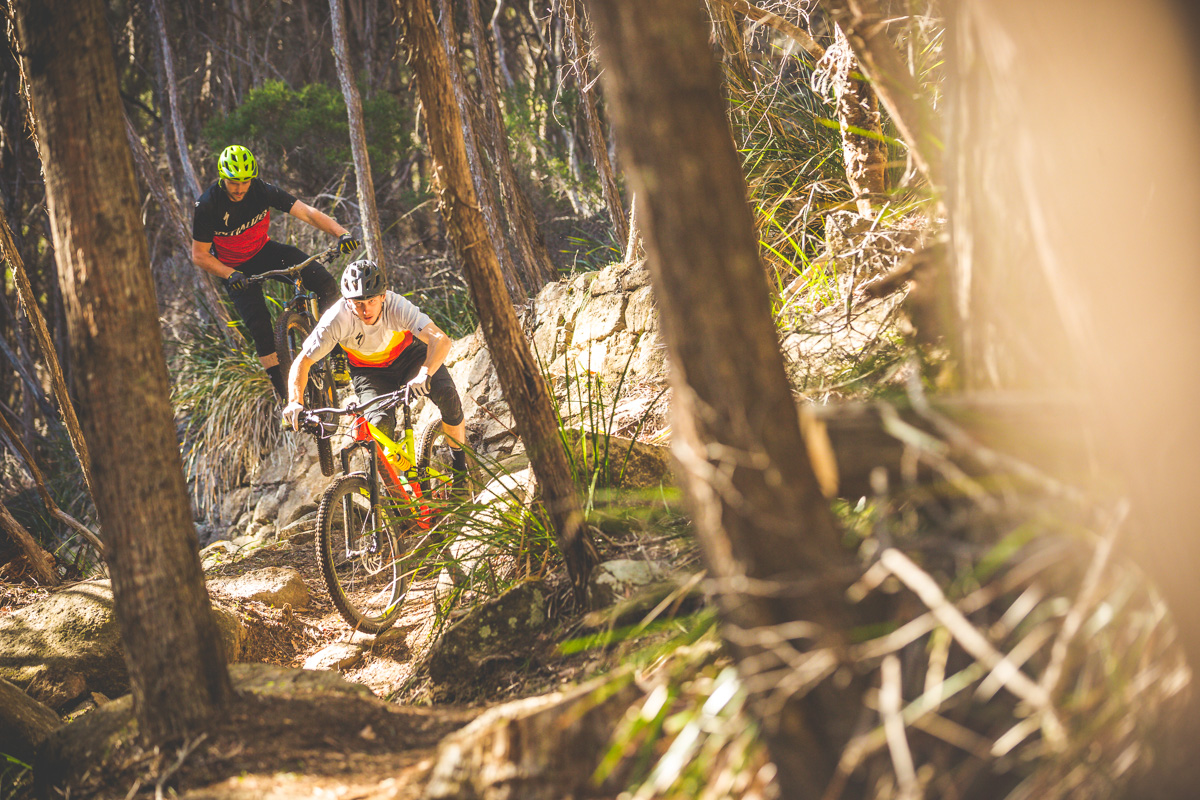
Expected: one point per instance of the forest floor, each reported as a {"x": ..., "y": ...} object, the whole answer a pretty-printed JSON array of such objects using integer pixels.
[{"x": 281, "y": 739}]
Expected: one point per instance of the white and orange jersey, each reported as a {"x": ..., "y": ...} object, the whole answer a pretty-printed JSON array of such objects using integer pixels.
[{"x": 376, "y": 345}]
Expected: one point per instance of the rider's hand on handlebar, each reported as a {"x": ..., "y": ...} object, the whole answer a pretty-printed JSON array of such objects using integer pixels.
[
  {"x": 419, "y": 386},
  {"x": 347, "y": 243},
  {"x": 236, "y": 281},
  {"x": 291, "y": 415}
]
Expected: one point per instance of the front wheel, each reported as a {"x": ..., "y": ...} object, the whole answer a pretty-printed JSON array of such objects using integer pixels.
[
  {"x": 436, "y": 466},
  {"x": 291, "y": 329},
  {"x": 357, "y": 547}
]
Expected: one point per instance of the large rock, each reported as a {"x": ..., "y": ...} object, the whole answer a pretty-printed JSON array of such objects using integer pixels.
[
  {"x": 500, "y": 630},
  {"x": 301, "y": 497},
  {"x": 628, "y": 464},
  {"x": 539, "y": 748},
  {"x": 616, "y": 580},
  {"x": 274, "y": 586},
  {"x": 68, "y": 644},
  {"x": 24, "y": 722}
]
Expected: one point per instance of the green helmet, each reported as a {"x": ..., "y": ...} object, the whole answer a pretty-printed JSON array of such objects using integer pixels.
[{"x": 237, "y": 163}]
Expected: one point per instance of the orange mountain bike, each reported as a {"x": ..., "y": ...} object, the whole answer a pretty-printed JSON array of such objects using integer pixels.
[{"x": 375, "y": 523}]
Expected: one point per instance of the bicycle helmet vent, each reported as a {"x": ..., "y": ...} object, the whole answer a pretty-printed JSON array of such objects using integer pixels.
[
  {"x": 237, "y": 163},
  {"x": 363, "y": 279}
]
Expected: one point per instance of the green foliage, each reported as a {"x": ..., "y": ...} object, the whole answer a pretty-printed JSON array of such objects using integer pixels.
[
  {"x": 16, "y": 777},
  {"x": 306, "y": 132},
  {"x": 227, "y": 410}
]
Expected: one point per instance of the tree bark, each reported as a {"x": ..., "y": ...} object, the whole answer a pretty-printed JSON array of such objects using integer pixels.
[
  {"x": 520, "y": 379},
  {"x": 906, "y": 104},
  {"x": 534, "y": 268},
  {"x": 863, "y": 149},
  {"x": 29, "y": 302},
  {"x": 40, "y": 482},
  {"x": 597, "y": 141},
  {"x": 172, "y": 649},
  {"x": 484, "y": 193},
  {"x": 756, "y": 501},
  {"x": 178, "y": 225},
  {"x": 358, "y": 136},
  {"x": 191, "y": 186},
  {"x": 40, "y": 561}
]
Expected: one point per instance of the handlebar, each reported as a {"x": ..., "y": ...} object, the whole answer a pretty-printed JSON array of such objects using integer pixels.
[
  {"x": 325, "y": 256},
  {"x": 310, "y": 418}
]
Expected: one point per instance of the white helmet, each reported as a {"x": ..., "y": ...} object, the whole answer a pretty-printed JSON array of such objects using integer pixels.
[{"x": 363, "y": 279}]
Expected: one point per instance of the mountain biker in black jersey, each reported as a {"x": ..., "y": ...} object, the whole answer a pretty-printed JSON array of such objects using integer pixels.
[
  {"x": 230, "y": 239},
  {"x": 390, "y": 343}
]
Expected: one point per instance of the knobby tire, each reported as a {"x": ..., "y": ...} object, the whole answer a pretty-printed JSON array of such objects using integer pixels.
[{"x": 291, "y": 329}]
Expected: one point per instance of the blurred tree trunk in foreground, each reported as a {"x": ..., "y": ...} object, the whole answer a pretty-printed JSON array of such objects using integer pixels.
[
  {"x": 1074, "y": 190},
  {"x": 520, "y": 379},
  {"x": 762, "y": 519},
  {"x": 176, "y": 667}
]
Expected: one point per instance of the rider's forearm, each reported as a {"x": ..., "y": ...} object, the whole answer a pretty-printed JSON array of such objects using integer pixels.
[
  {"x": 318, "y": 219},
  {"x": 437, "y": 348},
  {"x": 206, "y": 261},
  {"x": 297, "y": 379}
]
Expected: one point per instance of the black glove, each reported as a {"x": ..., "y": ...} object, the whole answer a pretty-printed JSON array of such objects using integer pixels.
[
  {"x": 347, "y": 243},
  {"x": 236, "y": 281}
]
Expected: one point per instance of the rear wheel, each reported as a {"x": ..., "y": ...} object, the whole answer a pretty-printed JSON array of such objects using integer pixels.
[
  {"x": 357, "y": 545},
  {"x": 291, "y": 329}
]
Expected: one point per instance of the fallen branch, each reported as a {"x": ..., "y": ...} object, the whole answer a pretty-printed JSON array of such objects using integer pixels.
[
  {"x": 771, "y": 20},
  {"x": 40, "y": 561}
]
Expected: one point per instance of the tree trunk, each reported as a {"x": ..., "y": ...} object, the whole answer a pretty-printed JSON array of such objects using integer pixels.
[
  {"x": 174, "y": 655},
  {"x": 597, "y": 141},
  {"x": 484, "y": 192},
  {"x": 29, "y": 302},
  {"x": 1073, "y": 270},
  {"x": 191, "y": 186},
  {"x": 758, "y": 508},
  {"x": 906, "y": 104},
  {"x": 863, "y": 149},
  {"x": 534, "y": 268},
  {"x": 727, "y": 31},
  {"x": 520, "y": 379},
  {"x": 181, "y": 230},
  {"x": 358, "y": 136},
  {"x": 40, "y": 561}
]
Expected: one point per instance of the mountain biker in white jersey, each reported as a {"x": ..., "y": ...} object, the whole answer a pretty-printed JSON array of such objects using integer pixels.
[{"x": 389, "y": 343}]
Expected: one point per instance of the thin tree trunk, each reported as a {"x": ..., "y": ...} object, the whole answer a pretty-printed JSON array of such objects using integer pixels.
[
  {"x": 176, "y": 222},
  {"x": 898, "y": 90},
  {"x": 534, "y": 268},
  {"x": 29, "y": 302},
  {"x": 863, "y": 149},
  {"x": 40, "y": 482},
  {"x": 190, "y": 184},
  {"x": 172, "y": 649},
  {"x": 484, "y": 192},
  {"x": 358, "y": 136},
  {"x": 40, "y": 561},
  {"x": 520, "y": 379},
  {"x": 597, "y": 141},
  {"x": 501, "y": 53},
  {"x": 758, "y": 507}
]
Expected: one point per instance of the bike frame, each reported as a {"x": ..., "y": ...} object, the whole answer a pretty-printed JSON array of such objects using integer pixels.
[{"x": 403, "y": 485}]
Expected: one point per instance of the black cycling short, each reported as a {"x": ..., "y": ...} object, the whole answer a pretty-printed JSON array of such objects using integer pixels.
[
  {"x": 371, "y": 382},
  {"x": 250, "y": 304}
]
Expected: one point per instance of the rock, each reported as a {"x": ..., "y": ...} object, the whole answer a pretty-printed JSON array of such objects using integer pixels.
[
  {"x": 24, "y": 722},
  {"x": 274, "y": 586},
  {"x": 234, "y": 504},
  {"x": 630, "y": 464},
  {"x": 603, "y": 317},
  {"x": 301, "y": 498},
  {"x": 268, "y": 504},
  {"x": 337, "y": 656},
  {"x": 300, "y": 530},
  {"x": 539, "y": 748},
  {"x": 640, "y": 313},
  {"x": 498, "y": 630},
  {"x": 68, "y": 644},
  {"x": 232, "y": 630},
  {"x": 60, "y": 647},
  {"x": 616, "y": 580}
]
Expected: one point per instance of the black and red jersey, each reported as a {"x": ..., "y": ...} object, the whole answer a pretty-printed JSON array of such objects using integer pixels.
[{"x": 238, "y": 230}]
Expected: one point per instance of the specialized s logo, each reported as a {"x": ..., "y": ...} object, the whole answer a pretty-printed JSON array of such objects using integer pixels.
[
  {"x": 226, "y": 219},
  {"x": 358, "y": 337}
]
